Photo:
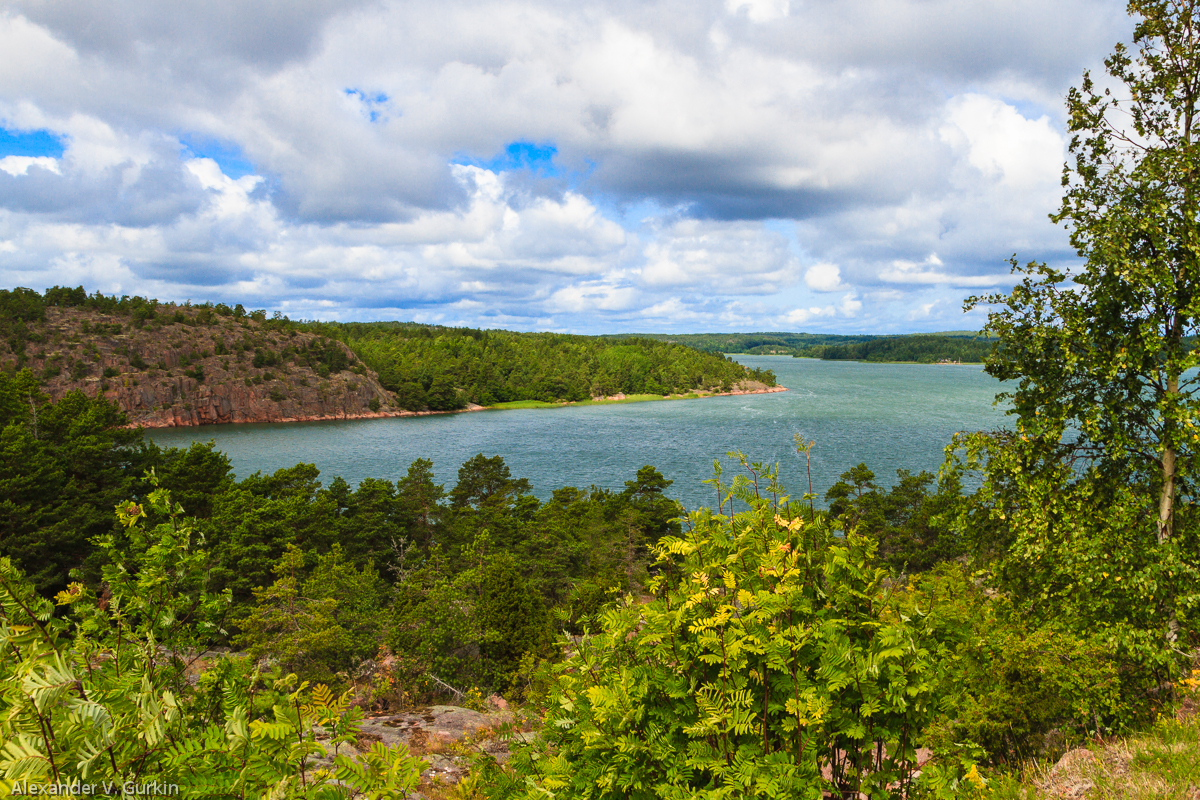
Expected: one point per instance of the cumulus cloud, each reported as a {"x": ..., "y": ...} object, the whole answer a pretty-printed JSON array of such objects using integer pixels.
[
  {"x": 692, "y": 163},
  {"x": 19, "y": 165},
  {"x": 722, "y": 258},
  {"x": 824, "y": 277},
  {"x": 759, "y": 10}
]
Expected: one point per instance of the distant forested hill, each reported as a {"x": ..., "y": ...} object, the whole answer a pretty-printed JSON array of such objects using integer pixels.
[
  {"x": 442, "y": 368},
  {"x": 923, "y": 348},
  {"x": 770, "y": 343}
]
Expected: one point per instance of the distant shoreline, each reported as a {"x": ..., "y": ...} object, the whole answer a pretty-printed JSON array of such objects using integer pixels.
[
  {"x": 518, "y": 404},
  {"x": 866, "y": 361}
]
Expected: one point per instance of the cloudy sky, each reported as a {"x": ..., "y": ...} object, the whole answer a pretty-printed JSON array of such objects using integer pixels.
[{"x": 617, "y": 165}]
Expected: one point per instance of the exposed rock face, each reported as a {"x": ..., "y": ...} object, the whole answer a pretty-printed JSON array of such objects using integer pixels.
[
  {"x": 439, "y": 734},
  {"x": 198, "y": 372}
]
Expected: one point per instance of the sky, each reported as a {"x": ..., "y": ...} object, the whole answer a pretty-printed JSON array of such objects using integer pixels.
[{"x": 843, "y": 166}]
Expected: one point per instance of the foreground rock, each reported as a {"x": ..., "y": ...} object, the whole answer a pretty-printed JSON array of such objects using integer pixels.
[{"x": 443, "y": 735}]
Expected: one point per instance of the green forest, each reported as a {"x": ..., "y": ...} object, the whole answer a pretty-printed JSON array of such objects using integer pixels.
[
  {"x": 949, "y": 636},
  {"x": 444, "y": 368},
  {"x": 920, "y": 348},
  {"x": 754, "y": 343}
]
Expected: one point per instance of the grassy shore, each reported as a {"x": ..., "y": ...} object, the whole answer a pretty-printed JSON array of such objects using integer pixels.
[{"x": 750, "y": 388}]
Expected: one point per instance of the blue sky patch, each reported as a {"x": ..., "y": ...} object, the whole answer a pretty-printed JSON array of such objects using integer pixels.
[
  {"x": 1026, "y": 108},
  {"x": 373, "y": 103},
  {"x": 229, "y": 156},
  {"x": 29, "y": 143},
  {"x": 537, "y": 158}
]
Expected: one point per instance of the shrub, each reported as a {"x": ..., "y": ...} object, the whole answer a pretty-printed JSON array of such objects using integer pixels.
[
  {"x": 771, "y": 652},
  {"x": 319, "y": 626},
  {"x": 99, "y": 694}
]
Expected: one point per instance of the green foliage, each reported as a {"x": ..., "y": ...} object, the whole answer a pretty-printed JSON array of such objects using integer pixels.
[
  {"x": 923, "y": 348},
  {"x": 19, "y": 308},
  {"x": 1020, "y": 687},
  {"x": 254, "y": 521},
  {"x": 63, "y": 467},
  {"x": 21, "y": 305},
  {"x": 444, "y": 368},
  {"x": 772, "y": 651},
  {"x": 194, "y": 476},
  {"x": 318, "y": 627},
  {"x": 910, "y": 524},
  {"x": 1098, "y": 573},
  {"x": 1085, "y": 514},
  {"x": 484, "y": 481},
  {"x": 471, "y": 626},
  {"x": 1106, "y": 390},
  {"x": 99, "y": 696}
]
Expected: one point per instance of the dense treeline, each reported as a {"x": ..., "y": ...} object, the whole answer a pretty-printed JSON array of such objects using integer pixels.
[
  {"x": 922, "y": 348},
  {"x": 759, "y": 343},
  {"x": 446, "y": 368}
]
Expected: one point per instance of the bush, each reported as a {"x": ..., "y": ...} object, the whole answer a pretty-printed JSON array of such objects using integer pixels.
[
  {"x": 107, "y": 678},
  {"x": 319, "y": 626},
  {"x": 772, "y": 652}
]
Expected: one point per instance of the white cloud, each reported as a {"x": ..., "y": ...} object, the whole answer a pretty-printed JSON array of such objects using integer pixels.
[
  {"x": 1023, "y": 154},
  {"x": 729, "y": 258},
  {"x": 932, "y": 271},
  {"x": 19, "y": 165},
  {"x": 759, "y": 10},
  {"x": 593, "y": 297},
  {"x": 850, "y": 305},
  {"x": 824, "y": 277}
]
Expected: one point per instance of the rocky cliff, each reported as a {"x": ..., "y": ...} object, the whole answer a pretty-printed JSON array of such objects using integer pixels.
[{"x": 189, "y": 366}]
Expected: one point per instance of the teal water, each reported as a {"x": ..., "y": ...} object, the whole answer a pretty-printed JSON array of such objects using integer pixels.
[{"x": 888, "y": 415}]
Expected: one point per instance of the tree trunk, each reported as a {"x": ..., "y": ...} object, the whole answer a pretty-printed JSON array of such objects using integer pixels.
[{"x": 1166, "y": 500}]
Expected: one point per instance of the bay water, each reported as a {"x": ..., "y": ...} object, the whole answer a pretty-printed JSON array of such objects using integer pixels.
[{"x": 889, "y": 416}]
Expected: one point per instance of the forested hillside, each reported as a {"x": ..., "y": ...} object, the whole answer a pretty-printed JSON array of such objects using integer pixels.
[
  {"x": 773, "y": 343},
  {"x": 922, "y": 348},
  {"x": 167, "y": 364},
  {"x": 445, "y": 368}
]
